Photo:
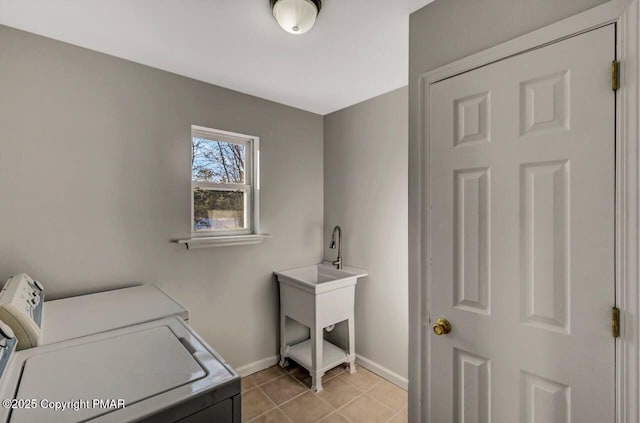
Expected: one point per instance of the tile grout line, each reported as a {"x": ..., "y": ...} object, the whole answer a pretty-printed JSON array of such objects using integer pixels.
[
  {"x": 257, "y": 386},
  {"x": 406, "y": 407},
  {"x": 335, "y": 410},
  {"x": 394, "y": 416},
  {"x": 267, "y": 397},
  {"x": 381, "y": 403},
  {"x": 276, "y": 405},
  {"x": 362, "y": 393},
  {"x": 349, "y": 403},
  {"x": 279, "y": 407},
  {"x": 373, "y": 398},
  {"x": 345, "y": 417}
]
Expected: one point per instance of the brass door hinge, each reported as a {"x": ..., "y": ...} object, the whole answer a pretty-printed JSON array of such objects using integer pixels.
[
  {"x": 615, "y": 75},
  {"x": 615, "y": 322}
]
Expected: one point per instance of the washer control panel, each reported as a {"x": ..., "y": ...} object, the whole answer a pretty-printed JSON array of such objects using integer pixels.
[{"x": 21, "y": 302}]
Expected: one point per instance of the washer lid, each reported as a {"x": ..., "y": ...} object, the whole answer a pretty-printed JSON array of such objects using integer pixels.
[
  {"x": 84, "y": 315},
  {"x": 133, "y": 367}
]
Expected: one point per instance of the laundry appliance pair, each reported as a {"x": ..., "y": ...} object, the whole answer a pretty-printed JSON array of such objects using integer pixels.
[{"x": 126, "y": 355}]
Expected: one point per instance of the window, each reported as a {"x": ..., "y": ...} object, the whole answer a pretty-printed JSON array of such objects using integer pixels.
[{"x": 224, "y": 183}]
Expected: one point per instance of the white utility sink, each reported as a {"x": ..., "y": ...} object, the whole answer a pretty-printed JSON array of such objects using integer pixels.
[
  {"x": 318, "y": 296},
  {"x": 320, "y": 277}
]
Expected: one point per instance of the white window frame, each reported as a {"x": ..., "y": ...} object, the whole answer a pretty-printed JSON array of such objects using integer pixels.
[{"x": 251, "y": 187}]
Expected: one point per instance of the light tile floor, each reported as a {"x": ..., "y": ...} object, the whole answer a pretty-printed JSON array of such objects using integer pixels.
[{"x": 278, "y": 395}]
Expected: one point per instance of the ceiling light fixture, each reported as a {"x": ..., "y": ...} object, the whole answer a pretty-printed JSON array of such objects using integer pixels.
[{"x": 296, "y": 16}]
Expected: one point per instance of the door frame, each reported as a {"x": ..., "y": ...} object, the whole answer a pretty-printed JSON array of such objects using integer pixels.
[{"x": 625, "y": 14}]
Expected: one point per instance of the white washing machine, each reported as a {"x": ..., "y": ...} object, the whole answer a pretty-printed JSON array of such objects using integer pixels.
[
  {"x": 157, "y": 372},
  {"x": 36, "y": 322},
  {"x": 83, "y": 315}
]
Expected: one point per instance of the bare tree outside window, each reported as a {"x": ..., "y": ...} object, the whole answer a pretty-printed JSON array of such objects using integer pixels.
[
  {"x": 220, "y": 163},
  {"x": 217, "y": 161}
]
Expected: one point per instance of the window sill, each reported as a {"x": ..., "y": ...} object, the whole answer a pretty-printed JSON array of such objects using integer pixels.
[{"x": 221, "y": 241}]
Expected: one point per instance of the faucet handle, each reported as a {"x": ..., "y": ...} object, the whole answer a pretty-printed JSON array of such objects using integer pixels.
[{"x": 337, "y": 263}]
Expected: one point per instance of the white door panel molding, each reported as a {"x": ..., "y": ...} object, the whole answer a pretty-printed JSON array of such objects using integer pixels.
[{"x": 549, "y": 247}]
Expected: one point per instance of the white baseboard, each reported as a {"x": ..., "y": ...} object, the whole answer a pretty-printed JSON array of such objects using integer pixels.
[
  {"x": 383, "y": 372},
  {"x": 368, "y": 364},
  {"x": 256, "y": 366}
]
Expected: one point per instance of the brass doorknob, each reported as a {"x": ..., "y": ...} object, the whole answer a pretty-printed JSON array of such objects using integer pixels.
[{"x": 442, "y": 327}]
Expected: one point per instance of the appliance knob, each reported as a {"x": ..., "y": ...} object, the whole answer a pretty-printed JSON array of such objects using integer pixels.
[
  {"x": 39, "y": 285},
  {"x": 6, "y": 331}
]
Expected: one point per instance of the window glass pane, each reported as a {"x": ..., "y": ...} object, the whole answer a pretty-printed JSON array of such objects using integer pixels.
[
  {"x": 217, "y": 161},
  {"x": 218, "y": 210}
]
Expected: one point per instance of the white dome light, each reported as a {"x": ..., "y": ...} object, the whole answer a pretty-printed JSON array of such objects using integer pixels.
[{"x": 296, "y": 16}]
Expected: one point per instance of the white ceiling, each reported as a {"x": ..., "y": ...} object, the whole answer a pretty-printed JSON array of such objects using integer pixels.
[{"x": 358, "y": 48}]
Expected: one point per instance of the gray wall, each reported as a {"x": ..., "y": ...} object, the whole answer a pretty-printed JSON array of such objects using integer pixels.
[
  {"x": 447, "y": 30},
  {"x": 95, "y": 180},
  {"x": 365, "y": 191}
]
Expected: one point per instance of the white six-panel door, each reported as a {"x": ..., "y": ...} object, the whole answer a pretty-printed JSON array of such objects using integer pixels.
[{"x": 521, "y": 177}]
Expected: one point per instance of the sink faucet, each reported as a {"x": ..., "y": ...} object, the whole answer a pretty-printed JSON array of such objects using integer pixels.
[{"x": 338, "y": 262}]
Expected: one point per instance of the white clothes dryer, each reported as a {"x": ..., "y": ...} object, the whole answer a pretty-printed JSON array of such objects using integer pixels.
[{"x": 159, "y": 371}]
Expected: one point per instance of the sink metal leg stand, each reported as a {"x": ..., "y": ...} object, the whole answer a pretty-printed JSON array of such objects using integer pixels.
[
  {"x": 283, "y": 341},
  {"x": 352, "y": 345},
  {"x": 317, "y": 343}
]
